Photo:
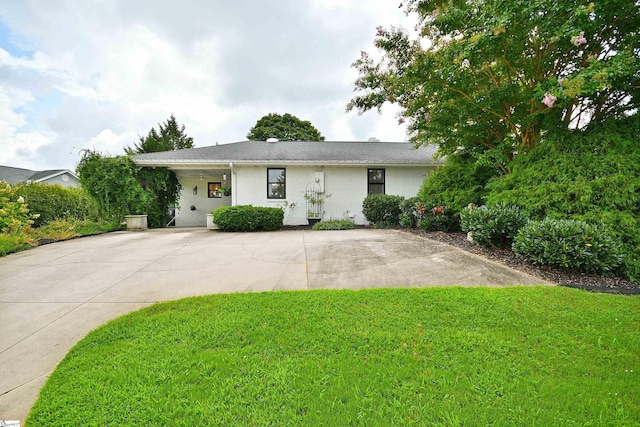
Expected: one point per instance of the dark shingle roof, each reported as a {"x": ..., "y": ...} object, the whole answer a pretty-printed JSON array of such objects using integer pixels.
[
  {"x": 302, "y": 152},
  {"x": 14, "y": 175}
]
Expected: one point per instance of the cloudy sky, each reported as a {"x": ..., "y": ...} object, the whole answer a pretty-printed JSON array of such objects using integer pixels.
[{"x": 77, "y": 74}]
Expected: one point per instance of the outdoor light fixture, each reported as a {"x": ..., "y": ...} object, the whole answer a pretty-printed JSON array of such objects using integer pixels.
[{"x": 224, "y": 176}]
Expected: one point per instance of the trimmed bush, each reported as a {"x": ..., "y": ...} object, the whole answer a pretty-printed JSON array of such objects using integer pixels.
[
  {"x": 248, "y": 218},
  {"x": 569, "y": 243},
  {"x": 382, "y": 210},
  {"x": 338, "y": 224},
  {"x": 493, "y": 226}
]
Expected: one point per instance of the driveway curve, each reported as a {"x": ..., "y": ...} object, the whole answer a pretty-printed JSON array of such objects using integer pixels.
[{"x": 52, "y": 296}]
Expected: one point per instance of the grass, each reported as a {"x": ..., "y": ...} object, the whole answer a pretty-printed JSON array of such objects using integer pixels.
[{"x": 437, "y": 356}]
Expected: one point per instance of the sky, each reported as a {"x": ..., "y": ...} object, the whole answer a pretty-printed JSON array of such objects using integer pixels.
[{"x": 97, "y": 74}]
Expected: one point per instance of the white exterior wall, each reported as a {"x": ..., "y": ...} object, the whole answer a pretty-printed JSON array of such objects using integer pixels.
[
  {"x": 185, "y": 217},
  {"x": 70, "y": 182},
  {"x": 346, "y": 185}
]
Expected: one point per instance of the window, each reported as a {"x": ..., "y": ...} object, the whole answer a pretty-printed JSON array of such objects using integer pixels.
[
  {"x": 375, "y": 181},
  {"x": 276, "y": 183},
  {"x": 213, "y": 190}
]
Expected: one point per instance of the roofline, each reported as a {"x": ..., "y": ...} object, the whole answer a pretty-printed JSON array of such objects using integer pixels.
[{"x": 198, "y": 164}]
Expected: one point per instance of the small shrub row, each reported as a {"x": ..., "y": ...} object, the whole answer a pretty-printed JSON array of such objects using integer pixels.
[
  {"x": 386, "y": 211},
  {"x": 573, "y": 244},
  {"x": 428, "y": 215},
  {"x": 248, "y": 218},
  {"x": 338, "y": 224}
]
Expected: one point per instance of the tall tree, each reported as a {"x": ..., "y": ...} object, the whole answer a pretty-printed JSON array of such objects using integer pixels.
[
  {"x": 285, "y": 128},
  {"x": 489, "y": 77},
  {"x": 170, "y": 136},
  {"x": 162, "y": 182}
]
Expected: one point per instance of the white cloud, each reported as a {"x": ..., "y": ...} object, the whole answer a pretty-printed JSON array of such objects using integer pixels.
[{"x": 98, "y": 74}]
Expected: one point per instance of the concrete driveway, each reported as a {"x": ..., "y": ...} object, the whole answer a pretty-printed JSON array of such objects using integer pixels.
[{"x": 53, "y": 295}]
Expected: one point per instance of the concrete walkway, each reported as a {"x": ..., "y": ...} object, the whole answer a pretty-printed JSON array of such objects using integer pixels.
[{"x": 53, "y": 295}]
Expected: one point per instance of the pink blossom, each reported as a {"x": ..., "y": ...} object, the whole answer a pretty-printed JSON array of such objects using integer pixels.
[
  {"x": 578, "y": 40},
  {"x": 434, "y": 13},
  {"x": 427, "y": 116},
  {"x": 469, "y": 1},
  {"x": 560, "y": 80},
  {"x": 380, "y": 32},
  {"x": 549, "y": 99}
]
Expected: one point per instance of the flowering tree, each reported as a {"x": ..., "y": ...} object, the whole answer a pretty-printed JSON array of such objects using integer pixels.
[{"x": 488, "y": 77}]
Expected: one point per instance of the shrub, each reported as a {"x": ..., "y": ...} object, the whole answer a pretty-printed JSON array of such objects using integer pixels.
[
  {"x": 382, "y": 210},
  {"x": 248, "y": 218},
  {"x": 493, "y": 226},
  {"x": 570, "y": 244},
  {"x": 459, "y": 182},
  {"x": 591, "y": 175},
  {"x": 338, "y": 224},
  {"x": 14, "y": 212},
  {"x": 54, "y": 202},
  {"x": 428, "y": 215}
]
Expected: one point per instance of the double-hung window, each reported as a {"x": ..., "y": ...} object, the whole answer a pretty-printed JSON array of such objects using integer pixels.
[
  {"x": 375, "y": 181},
  {"x": 276, "y": 183}
]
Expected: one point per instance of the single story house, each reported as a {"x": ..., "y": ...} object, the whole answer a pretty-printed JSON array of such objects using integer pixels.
[
  {"x": 63, "y": 177},
  {"x": 292, "y": 175}
]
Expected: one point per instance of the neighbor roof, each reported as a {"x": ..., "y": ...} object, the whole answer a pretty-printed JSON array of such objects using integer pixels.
[
  {"x": 14, "y": 175},
  {"x": 293, "y": 152}
]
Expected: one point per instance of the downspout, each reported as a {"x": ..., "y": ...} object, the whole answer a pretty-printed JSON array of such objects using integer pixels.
[{"x": 233, "y": 184}]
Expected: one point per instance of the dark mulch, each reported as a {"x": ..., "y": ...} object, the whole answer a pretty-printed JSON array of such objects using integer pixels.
[{"x": 560, "y": 276}]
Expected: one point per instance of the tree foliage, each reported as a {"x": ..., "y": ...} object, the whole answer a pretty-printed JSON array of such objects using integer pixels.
[
  {"x": 113, "y": 183},
  {"x": 489, "y": 77},
  {"x": 169, "y": 136},
  {"x": 285, "y": 128},
  {"x": 162, "y": 182}
]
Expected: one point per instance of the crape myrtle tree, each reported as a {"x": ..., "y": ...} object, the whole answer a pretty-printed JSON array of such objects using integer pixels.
[
  {"x": 162, "y": 182},
  {"x": 489, "y": 77},
  {"x": 285, "y": 127}
]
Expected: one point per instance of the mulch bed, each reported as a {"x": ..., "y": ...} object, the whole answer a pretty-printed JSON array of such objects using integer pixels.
[{"x": 560, "y": 276}]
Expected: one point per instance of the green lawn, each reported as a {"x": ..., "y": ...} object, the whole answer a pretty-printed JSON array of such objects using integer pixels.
[{"x": 541, "y": 356}]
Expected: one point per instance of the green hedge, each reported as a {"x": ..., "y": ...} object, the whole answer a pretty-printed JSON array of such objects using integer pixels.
[
  {"x": 248, "y": 218},
  {"x": 570, "y": 244},
  {"x": 54, "y": 202}
]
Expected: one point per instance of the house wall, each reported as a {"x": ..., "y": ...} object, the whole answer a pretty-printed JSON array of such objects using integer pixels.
[
  {"x": 185, "y": 216},
  {"x": 346, "y": 185},
  {"x": 70, "y": 182}
]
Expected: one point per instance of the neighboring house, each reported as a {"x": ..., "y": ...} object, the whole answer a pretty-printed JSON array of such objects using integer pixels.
[
  {"x": 63, "y": 177},
  {"x": 276, "y": 173}
]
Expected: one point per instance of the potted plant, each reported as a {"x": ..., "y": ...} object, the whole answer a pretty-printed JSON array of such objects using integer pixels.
[{"x": 226, "y": 191}]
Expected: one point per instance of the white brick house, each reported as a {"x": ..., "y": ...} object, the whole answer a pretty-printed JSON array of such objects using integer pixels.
[{"x": 272, "y": 173}]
